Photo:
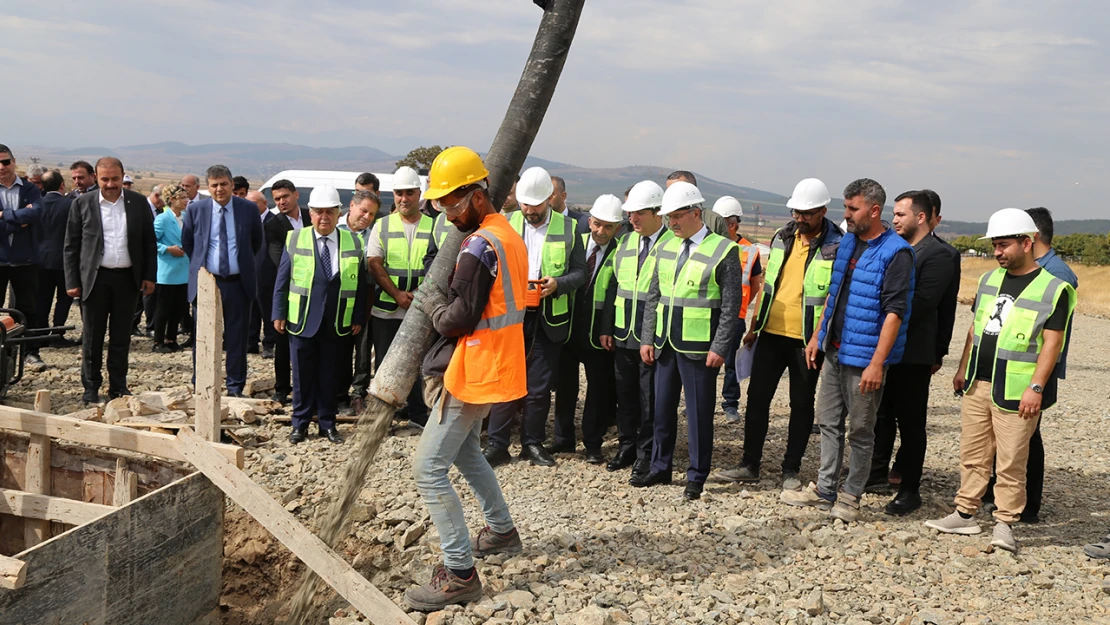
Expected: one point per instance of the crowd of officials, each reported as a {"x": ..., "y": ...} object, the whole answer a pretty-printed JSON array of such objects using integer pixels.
[{"x": 653, "y": 294}]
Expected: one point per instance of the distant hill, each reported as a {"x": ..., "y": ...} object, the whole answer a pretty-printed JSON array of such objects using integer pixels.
[{"x": 951, "y": 229}]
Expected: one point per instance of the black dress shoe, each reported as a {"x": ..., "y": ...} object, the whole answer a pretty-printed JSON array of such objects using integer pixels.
[
  {"x": 497, "y": 456},
  {"x": 538, "y": 455},
  {"x": 641, "y": 468},
  {"x": 62, "y": 341},
  {"x": 332, "y": 435},
  {"x": 115, "y": 394},
  {"x": 564, "y": 447},
  {"x": 692, "y": 492},
  {"x": 90, "y": 400},
  {"x": 595, "y": 456},
  {"x": 252, "y": 349},
  {"x": 267, "y": 353},
  {"x": 624, "y": 458},
  {"x": 650, "y": 479},
  {"x": 298, "y": 435},
  {"x": 236, "y": 394},
  {"x": 281, "y": 398},
  {"x": 906, "y": 502},
  {"x": 1030, "y": 517},
  {"x": 162, "y": 348}
]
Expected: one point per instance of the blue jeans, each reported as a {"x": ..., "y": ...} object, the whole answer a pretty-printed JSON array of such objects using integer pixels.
[{"x": 451, "y": 437}]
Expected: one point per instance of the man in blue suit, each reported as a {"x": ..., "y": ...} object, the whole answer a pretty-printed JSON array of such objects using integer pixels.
[
  {"x": 20, "y": 225},
  {"x": 319, "y": 301},
  {"x": 222, "y": 233}
]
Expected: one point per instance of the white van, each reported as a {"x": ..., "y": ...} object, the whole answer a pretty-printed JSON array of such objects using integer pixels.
[{"x": 344, "y": 181}]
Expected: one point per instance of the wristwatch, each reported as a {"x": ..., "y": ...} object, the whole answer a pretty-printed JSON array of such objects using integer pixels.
[{"x": 1037, "y": 388}]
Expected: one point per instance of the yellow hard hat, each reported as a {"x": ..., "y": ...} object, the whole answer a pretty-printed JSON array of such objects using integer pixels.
[{"x": 454, "y": 167}]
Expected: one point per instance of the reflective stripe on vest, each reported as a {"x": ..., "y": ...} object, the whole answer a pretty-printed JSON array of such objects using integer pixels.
[
  {"x": 513, "y": 313},
  {"x": 748, "y": 255},
  {"x": 404, "y": 263},
  {"x": 815, "y": 286},
  {"x": 600, "y": 285},
  {"x": 690, "y": 300},
  {"x": 554, "y": 262},
  {"x": 1021, "y": 336},
  {"x": 300, "y": 245},
  {"x": 633, "y": 283},
  {"x": 441, "y": 229}
]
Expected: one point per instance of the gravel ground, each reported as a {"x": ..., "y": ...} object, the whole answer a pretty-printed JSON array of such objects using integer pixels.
[{"x": 600, "y": 552}]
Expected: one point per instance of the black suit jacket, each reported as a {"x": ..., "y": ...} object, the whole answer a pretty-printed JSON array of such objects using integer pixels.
[
  {"x": 275, "y": 230},
  {"x": 933, "y": 275},
  {"x": 84, "y": 244},
  {"x": 946, "y": 314},
  {"x": 264, "y": 267},
  {"x": 55, "y": 216}
]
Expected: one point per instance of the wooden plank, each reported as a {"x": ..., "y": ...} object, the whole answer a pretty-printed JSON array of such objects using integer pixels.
[
  {"x": 156, "y": 560},
  {"x": 150, "y": 424},
  {"x": 126, "y": 486},
  {"x": 12, "y": 573},
  {"x": 304, "y": 544},
  {"x": 21, "y": 503},
  {"x": 37, "y": 478},
  {"x": 102, "y": 434},
  {"x": 42, "y": 401},
  {"x": 208, "y": 356}
]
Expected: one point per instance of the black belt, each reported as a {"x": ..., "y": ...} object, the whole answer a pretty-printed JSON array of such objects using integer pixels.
[
  {"x": 116, "y": 269},
  {"x": 232, "y": 278}
]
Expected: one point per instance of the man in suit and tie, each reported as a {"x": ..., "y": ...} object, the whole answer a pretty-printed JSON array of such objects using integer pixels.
[
  {"x": 585, "y": 344},
  {"x": 289, "y": 218},
  {"x": 359, "y": 221},
  {"x": 319, "y": 300},
  {"x": 52, "y": 275},
  {"x": 110, "y": 257},
  {"x": 222, "y": 233},
  {"x": 20, "y": 224},
  {"x": 265, "y": 272}
]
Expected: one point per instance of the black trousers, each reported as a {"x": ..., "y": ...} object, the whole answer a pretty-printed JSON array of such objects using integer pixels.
[
  {"x": 383, "y": 332},
  {"x": 52, "y": 292},
  {"x": 601, "y": 398},
  {"x": 635, "y": 393},
  {"x": 264, "y": 304},
  {"x": 356, "y": 381},
  {"x": 25, "y": 284},
  {"x": 172, "y": 302},
  {"x": 236, "y": 309},
  {"x": 676, "y": 374},
  {"x": 282, "y": 364},
  {"x": 542, "y": 357},
  {"x": 314, "y": 392},
  {"x": 1034, "y": 476},
  {"x": 147, "y": 306},
  {"x": 730, "y": 387},
  {"x": 902, "y": 410},
  {"x": 109, "y": 307},
  {"x": 773, "y": 355}
]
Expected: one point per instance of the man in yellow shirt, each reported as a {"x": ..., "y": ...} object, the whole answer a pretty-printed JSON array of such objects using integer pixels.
[{"x": 796, "y": 282}]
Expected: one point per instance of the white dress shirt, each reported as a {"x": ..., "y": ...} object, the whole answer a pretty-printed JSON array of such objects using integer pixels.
[
  {"x": 332, "y": 243},
  {"x": 590, "y": 245},
  {"x": 534, "y": 237},
  {"x": 296, "y": 223},
  {"x": 113, "y": 220},
  {"x": 696, "y": 240}
]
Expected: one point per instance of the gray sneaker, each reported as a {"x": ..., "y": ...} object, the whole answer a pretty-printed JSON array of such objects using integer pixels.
[
  {"x": 791, "y": 481},
  {"x": 1004, "y": 537},
  {"x": 742, "y": 473},
  {"x": 807, "y": 497},
  {"x": 846, "y": 508},
  {"x": 1099, "y": 550},
  {"x": 955, "y": 524},
  {"x": 443, "y": 590},
  {"x": 489, "y": 542},
  {"x": 732, "y": 415}
]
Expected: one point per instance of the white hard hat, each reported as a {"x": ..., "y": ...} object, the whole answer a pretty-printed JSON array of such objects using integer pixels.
[
  {"x": 1010, "y": 222},
  {"x": 728, "y": 206},
  {"x": 607, "y": 208},
  {"x": 406, "y": 178},
  {"x": 644, "y": 194},
  {"x": 809, "y": 194},
  {"x": 535, "y": 186},
  {"x": 680, "y": 194},
  {"x": 323, "y": 196},
  {"x": 127, "y": 178}
]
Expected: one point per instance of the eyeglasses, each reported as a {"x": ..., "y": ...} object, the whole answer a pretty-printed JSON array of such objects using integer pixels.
[
  {"x": 5, "y": 161},
  {"x": 804, "y": 214},
  {"x": 443, "y": 208}
]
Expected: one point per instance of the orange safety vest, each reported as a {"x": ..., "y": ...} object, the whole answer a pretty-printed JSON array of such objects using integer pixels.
[
  {"x": 488, "y": 364},
  {"x": 749, "y": 253}
]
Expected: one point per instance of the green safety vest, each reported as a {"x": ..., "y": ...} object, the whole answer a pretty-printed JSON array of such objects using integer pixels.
[
  {"x": 1021, "y": 336},
  {"x": 300, "y": 245},
  {"x": 601, "y": 284},
  {"x": 690, "y": 301},
  {"x": 554, "y": 261},
  {"x": 441, "y": 229},
  {"x": 815, "y": 286},
  {"x": 404, "y": 263},
  {"x": 633, "y": 283}
]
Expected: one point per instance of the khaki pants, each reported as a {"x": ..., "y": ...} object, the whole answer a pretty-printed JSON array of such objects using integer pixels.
[{"x": 989, "y": 435}]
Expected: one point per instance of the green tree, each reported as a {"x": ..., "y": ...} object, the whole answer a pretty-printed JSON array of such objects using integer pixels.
[{"x": 420, "y": 158}]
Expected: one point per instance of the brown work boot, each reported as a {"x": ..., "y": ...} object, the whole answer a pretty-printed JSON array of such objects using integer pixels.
[
  {"x": 445, "y": 589},
  {"x": 489, "y": 542}
]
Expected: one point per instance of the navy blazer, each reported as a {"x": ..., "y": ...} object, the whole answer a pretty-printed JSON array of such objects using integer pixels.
[
  {"x": 248, "y": 237},
  {"x": 317, "y": 295},
  {"x": 264, "y": 268},
  {"x": 24, "y": 224},
  {"x": 55, "y": 216}
]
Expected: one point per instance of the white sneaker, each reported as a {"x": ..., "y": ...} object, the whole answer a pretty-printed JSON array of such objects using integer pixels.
[
  {"x": 955, "y": 524},
  {"x": 1004, "y": 537}
]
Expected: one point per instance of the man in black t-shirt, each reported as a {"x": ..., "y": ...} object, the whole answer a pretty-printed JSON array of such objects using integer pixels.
[{"x": 1008, "y": 372}]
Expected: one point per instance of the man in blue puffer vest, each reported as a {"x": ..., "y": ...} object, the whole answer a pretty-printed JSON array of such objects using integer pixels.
[{"x": 863, "y": 331}]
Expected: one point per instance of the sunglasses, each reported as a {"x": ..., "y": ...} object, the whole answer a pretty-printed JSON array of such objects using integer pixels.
[{"x": 5, "y": 161}]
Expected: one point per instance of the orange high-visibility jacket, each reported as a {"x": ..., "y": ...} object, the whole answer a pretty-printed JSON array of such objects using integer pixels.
[{"x": 748, "y": 255}]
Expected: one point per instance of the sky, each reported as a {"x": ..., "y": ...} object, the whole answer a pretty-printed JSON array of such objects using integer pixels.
[{"x": 991, "y": 103}]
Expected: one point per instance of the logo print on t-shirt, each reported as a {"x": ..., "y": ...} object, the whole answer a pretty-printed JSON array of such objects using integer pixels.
[{"x": 1002, "y": 307}]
